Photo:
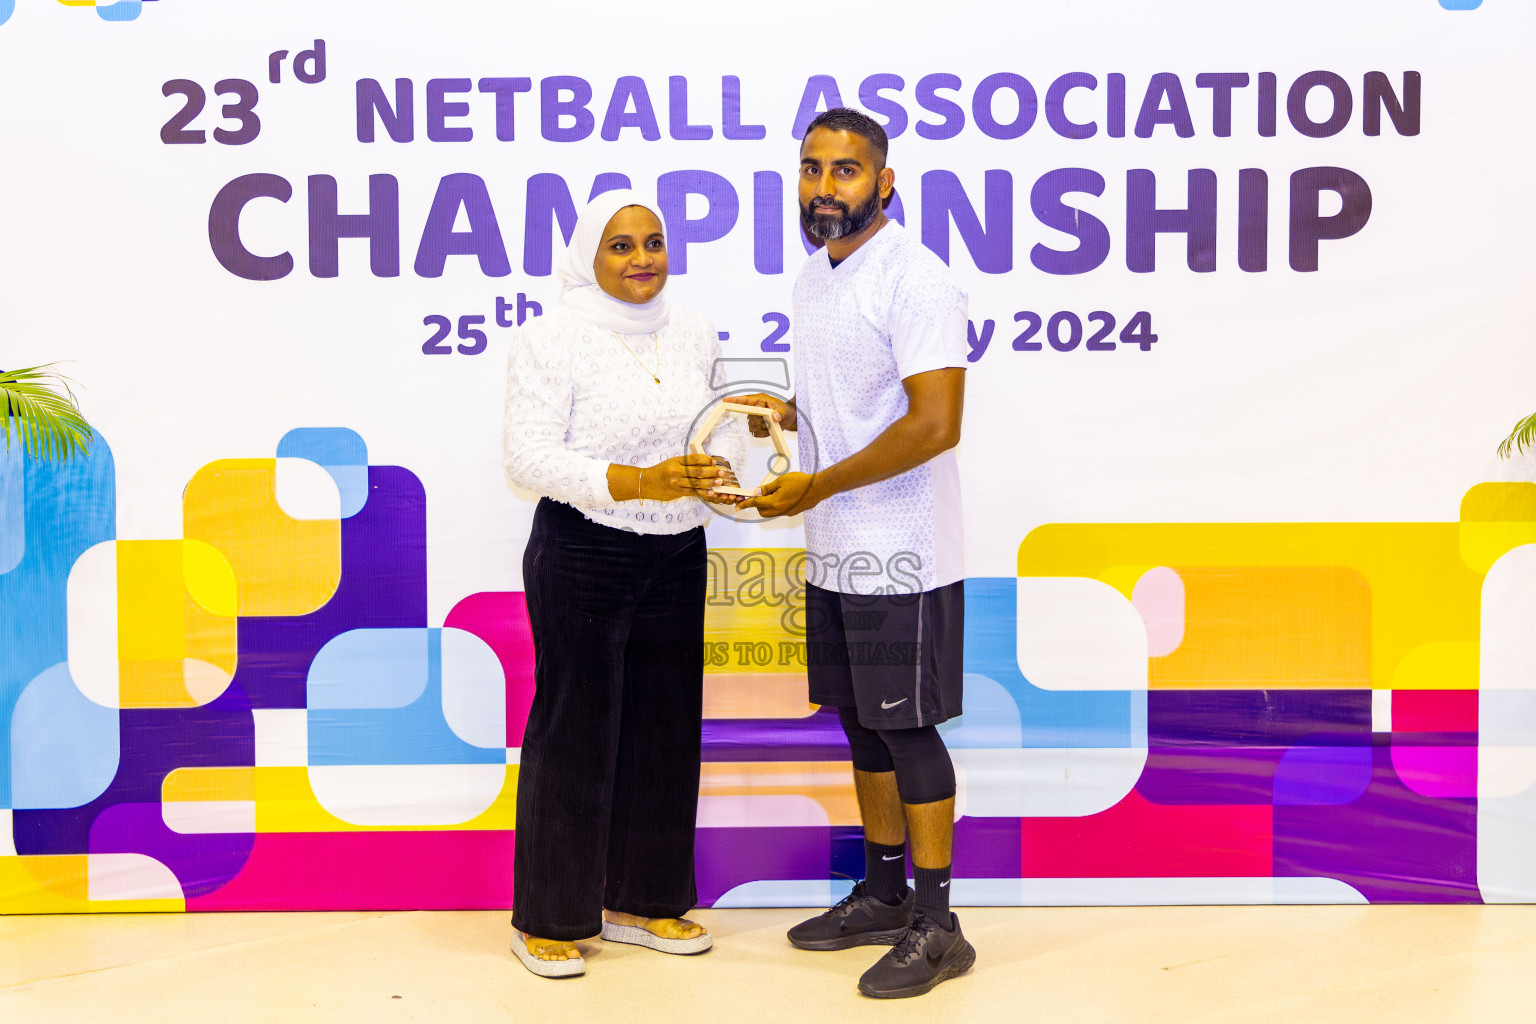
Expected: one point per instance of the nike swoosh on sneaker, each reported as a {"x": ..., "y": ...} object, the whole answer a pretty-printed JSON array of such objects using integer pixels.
[{"x": 892, "y": 704}]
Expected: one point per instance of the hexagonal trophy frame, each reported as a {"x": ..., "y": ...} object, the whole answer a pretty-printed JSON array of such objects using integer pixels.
[{"x": 775, "y": 434}]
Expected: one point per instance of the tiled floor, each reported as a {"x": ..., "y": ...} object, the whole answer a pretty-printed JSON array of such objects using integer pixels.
[{"x": 1124, "y": 966}]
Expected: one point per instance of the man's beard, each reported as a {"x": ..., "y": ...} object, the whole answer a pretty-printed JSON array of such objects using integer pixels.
[{"x": 850, "y": 223}]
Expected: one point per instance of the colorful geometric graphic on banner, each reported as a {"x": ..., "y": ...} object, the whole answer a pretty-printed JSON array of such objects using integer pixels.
[
  {"x": 257, "y": 715},
  {"x": 106, "y": 10}
]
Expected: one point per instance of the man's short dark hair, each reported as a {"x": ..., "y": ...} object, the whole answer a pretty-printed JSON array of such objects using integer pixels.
[{"x": 855, "y": 122}]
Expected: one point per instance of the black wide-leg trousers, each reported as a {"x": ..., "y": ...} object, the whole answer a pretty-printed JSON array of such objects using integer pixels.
[{"x": 608, "y": 787}]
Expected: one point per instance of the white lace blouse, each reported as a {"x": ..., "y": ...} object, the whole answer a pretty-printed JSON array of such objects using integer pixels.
[{"x": 577, "y": 400}]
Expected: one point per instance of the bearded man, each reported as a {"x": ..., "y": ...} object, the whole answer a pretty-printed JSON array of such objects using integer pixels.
[{"x": 880, "y": 353}]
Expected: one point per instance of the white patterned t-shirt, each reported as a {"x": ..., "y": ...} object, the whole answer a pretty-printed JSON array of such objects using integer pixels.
[{"x": 889, "y": 311}]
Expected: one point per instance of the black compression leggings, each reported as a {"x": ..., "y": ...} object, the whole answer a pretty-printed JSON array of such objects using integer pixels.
[{"x": 924, "y": 772}]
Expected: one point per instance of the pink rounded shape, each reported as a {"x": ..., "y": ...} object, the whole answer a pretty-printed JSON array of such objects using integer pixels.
[
  {"x": 501, "y": 620},
  {"x": 1158, "y": 598},
  {"x": 1437, "y": 771}
]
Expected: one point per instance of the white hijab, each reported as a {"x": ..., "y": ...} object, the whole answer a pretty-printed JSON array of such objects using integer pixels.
[{"x": 580, "y": 293}]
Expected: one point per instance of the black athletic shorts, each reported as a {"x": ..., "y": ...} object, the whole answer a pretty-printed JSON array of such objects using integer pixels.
[{"x": 898, "y": 658}]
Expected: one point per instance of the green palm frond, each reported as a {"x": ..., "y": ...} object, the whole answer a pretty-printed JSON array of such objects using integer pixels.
[
  {"x": 1522, "y": 437},
  {"x": 38, "y": 405}
]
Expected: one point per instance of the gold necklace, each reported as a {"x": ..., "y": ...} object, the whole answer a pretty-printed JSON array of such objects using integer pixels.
[{"x": 637, "y": 359}]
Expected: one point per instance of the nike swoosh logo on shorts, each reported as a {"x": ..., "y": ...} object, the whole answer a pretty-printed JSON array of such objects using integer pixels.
[{"x": 892, "y": 704}]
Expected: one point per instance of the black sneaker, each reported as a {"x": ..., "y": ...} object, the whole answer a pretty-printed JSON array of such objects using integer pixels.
[
  {"x": 859, "y": 920},
  {"x": 925, "y": 956}
]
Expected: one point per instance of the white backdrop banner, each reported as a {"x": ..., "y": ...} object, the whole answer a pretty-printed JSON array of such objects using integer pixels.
[{"x": 1248, "y": 610}]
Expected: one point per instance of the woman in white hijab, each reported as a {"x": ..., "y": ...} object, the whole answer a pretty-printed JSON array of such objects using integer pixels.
[{"x": 602, "y": 393}]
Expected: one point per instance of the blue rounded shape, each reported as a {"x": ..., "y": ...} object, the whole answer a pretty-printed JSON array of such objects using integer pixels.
[
  {"x": 1322, "y": 776},
  {"x": 123, "y": 10},
  {"x": 1461, "y": 5},
  {"x": 65, "y": 749},
  {"x": 7, "y": 8}
]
